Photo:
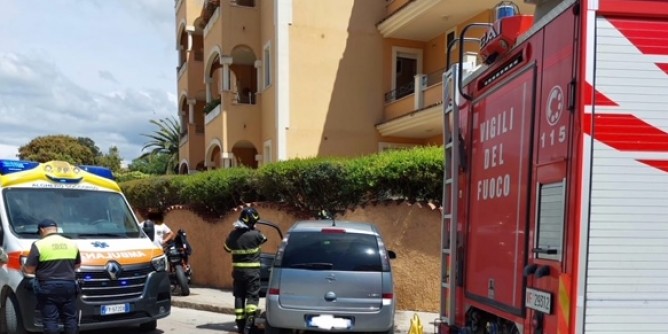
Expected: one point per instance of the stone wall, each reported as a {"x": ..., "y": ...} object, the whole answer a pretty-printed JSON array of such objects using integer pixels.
[{"x": 412, "y": 231}]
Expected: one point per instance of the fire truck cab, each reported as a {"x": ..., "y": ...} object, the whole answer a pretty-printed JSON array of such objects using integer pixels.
[{"x": 556, "y": 177}]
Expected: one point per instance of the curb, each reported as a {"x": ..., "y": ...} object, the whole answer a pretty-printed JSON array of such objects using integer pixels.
[{"x": 202, "y": 307}]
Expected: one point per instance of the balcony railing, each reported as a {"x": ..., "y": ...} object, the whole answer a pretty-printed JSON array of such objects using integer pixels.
[
  {"x": 248, "y": 98},
  {"x": 181, "y": 69},
  {"x": 210, "y": 116},
  {"x": 212, "y": 21},
  {"x": 433, "y": 78},
  {"x": 399, "y": 92}
]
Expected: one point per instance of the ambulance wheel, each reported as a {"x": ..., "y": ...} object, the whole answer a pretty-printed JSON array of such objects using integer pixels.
[
  {"x": 148, "y": 326},
  {"x": 10, "y": 318}
]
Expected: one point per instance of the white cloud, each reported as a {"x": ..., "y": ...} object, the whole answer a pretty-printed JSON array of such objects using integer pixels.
[{"x": 38, "y": 99}]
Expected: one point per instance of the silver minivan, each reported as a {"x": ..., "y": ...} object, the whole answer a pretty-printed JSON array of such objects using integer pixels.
[{"x": 331, "y": 276}]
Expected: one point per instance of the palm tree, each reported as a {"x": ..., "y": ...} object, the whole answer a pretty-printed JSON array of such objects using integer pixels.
[{"x": 164, "y": 141}]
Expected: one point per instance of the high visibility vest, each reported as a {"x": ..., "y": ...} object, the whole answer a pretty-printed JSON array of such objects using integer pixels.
[{"x": 56, "y": 247}]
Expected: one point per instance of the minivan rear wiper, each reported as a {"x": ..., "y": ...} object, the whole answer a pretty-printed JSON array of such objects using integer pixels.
[{"x": 313, "y": 265}]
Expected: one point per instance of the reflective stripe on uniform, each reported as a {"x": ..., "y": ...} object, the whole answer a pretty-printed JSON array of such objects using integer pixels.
[
  {"x": 246, "y": 265},
  {"x": 239, "y": 312},
  {"x": 56, "y": 248},
  {"x": 246, "y": 251},
  {"x": 250, "y": 309}
]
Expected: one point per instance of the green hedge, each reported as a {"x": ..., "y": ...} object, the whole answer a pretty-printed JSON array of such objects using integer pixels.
[{"x": 307, "y": 185}]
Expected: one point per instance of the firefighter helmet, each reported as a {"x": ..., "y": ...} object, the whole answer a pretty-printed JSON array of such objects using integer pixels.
[{"x": 249, "y": 216}]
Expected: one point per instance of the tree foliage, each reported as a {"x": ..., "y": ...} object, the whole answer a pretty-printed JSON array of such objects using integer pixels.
[
  {"x": 78, "y": 151},
  {"x": 152, "y": 164},
  {"x": 164, "y": 141}
]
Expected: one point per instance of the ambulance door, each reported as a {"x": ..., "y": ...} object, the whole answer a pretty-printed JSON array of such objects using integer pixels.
[{"x": 547, "y": 291}]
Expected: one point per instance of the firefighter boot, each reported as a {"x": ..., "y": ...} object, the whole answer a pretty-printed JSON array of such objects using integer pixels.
[
  {"x": 241, "y": 325},
  {"x": 250, "y": 327}
]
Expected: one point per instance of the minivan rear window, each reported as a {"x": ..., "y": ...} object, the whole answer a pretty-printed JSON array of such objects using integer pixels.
[{"x": 332, "y": 251}]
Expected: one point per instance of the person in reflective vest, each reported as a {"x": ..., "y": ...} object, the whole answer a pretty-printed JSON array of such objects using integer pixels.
[
  {"x": 53, "y": 260},
  {"x": 244, "y": 244}
]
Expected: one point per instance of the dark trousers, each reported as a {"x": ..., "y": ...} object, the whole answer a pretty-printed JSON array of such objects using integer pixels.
[
  {"x": 57, "y": 301},
  {"x": 246, "y": 289}
]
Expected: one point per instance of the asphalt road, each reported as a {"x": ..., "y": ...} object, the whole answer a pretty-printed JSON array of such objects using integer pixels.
[{"x": 184, "y": 321}]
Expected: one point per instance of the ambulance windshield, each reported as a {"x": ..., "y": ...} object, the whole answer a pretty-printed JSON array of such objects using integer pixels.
[{"x": 78, "y": 213}]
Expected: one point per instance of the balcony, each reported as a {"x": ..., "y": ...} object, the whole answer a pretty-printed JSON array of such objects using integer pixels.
[
  {"x": 190, "y": 74},
  {"x": 414, "y": 113},
  {"x": 230, "y": 122},
  {"x": 191, "y": 148},
  {"x": 213, "y": 24},
  {"x": 421, "y": 20},
  {"x": 210, "y": 115}
]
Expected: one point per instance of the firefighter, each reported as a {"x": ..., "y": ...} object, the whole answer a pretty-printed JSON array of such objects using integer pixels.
[{"x": 244, "y": 244}]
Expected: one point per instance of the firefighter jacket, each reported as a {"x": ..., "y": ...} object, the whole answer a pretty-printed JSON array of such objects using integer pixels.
[{"x": 244, "y": 245}]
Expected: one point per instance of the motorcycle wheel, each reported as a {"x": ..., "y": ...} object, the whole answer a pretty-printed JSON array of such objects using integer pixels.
[{"x": 182, "y": 280}]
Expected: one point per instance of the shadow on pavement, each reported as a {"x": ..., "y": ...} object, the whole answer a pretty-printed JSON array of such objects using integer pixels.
[{"x": 225, "y": 326}]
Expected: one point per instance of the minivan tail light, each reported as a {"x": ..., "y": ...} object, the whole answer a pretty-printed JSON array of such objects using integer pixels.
[
  {"x": 333, "y": 230},
  {"x": 387, "y": 298},
  {"x": 274, "y": 291}
]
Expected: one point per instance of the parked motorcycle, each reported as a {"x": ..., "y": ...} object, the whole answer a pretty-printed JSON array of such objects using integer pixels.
[{"x": 177, "y": 252}]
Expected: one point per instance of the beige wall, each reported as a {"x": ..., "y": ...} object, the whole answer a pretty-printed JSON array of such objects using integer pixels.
[
  {"x": 243, "y": 123},
  {"x": 267, "y": 95},
  {"x": 335, "y": 88},
  {"x": 241, "y": 26},
  {"x": 412, "y": 231}
]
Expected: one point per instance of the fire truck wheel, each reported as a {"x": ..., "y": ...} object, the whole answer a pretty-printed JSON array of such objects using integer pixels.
[
  {"x": 10, "y": 318},
  {"x": 148, "y": 326}
]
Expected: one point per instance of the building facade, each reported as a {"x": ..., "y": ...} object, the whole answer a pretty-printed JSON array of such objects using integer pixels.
[{"x": 268, "y": 80}]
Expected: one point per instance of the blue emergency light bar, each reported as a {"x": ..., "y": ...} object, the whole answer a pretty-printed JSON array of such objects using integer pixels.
[
  {"x": 99, "y": 171},
  {"x": 13, "y": 166}
]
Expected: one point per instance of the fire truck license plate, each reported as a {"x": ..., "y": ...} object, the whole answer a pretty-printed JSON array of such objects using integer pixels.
[{"x": 539, "y": 300}]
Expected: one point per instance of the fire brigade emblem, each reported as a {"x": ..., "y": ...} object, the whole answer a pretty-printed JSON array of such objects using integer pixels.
[{"x": 555, "y": 105}]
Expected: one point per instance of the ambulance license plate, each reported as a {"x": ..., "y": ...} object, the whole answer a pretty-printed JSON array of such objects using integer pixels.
[
  {"x": 114, "y": 309},
  {"x": 538, "y": 300}
]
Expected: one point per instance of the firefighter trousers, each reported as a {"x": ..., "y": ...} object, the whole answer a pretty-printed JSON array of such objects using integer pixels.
[{"x": 246, "y": 289}]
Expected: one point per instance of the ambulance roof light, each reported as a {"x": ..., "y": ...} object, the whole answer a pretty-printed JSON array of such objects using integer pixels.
[
  {"x": 99, "y": 171},
  {"x": 8, "y": 166}
]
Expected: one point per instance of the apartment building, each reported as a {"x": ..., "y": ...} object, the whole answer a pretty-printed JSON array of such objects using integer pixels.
[{"x": 267, "y": 80}]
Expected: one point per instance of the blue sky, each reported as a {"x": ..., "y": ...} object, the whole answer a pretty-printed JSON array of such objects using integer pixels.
[{"x": 93, "y": 68}]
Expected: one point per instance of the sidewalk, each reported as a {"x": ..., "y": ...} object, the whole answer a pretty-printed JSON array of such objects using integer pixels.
[{"x": 222, "y": 301}]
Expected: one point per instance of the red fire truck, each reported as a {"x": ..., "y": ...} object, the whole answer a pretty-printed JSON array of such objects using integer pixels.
[{"x": 555, "y": 214}]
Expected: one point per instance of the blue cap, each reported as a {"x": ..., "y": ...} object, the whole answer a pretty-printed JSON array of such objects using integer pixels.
[{"x": 47, "y": 223}]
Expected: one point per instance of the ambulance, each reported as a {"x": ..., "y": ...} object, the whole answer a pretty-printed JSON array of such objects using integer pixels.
[{"x": 122, "y": 276}]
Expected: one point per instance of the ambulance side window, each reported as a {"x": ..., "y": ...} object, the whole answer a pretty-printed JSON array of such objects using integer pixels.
[{"x": 550, "y": 222}]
